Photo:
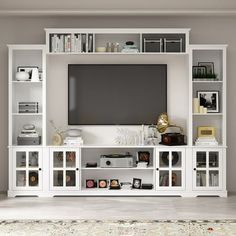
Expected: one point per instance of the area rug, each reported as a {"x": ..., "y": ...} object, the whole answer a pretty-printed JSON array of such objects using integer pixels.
[{"x": 117, "y": 228}]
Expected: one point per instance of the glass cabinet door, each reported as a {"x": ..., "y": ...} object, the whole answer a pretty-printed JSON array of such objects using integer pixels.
[
  {"x": 65, "y": 170},
  {"x": 27, "y": 168},
  {"x": 170, "y": 169},
  {"x": 213, "y": 169},
  {"x": 207, "y": 169}
]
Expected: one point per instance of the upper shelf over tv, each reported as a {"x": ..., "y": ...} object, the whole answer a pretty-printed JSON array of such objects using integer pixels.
[{"x": 117, "y": 41}]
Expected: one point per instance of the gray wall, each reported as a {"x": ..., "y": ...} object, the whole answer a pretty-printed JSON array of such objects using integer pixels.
[
  {"x": 117, "y": 5},
  {"x": 20, "y": 30}
]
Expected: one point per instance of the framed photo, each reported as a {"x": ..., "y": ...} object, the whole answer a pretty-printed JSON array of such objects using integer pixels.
[
  {"x": 102, "y": 183},
  {"x": 143, "y": 157},
  {"x": 91, "y": 183},
  {"x": 27, "y": 69},
  {"x": 209, "y": 99},
  {"x": 199, "y": 71},
  {"x": 114, "y": 184},
  {"x": 137, "y": 183},
  {"x": 209, "y": 67}
]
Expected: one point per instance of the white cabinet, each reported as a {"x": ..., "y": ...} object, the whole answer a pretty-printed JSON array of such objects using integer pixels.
[
  {"x": 27, "y": 168},
  {"x": 64, "y": 169},
  {"x": 170, "y": 169},
  {"x": 207, "y": 169}
]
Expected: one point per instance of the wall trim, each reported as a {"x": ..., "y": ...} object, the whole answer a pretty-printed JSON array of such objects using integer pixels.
[{"x": 118, "y": 12}]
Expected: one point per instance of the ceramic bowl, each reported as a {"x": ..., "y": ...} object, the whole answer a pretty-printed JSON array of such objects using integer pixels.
[{"x": 22, "y": 76}]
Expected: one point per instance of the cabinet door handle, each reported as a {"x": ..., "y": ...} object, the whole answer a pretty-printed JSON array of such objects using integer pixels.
[
  {"x": 157, "y": 168},
  {"x": 194, "y": 169},
  {"x": 77, "y": 168},
  {"x": 40, "y": 169}
]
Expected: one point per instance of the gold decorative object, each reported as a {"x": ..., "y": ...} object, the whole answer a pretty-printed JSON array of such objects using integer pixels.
[
  {"x": 206, "y": 131},
  {"x": 57, "y": 138},
  {"x": 163, "y": 123}
]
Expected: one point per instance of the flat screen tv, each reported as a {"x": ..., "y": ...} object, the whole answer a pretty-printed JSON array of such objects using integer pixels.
[{"x": 116, "y": 94}]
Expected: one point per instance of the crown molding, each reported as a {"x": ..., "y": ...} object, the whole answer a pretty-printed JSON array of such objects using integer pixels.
[{"x": 107, "y": 12}]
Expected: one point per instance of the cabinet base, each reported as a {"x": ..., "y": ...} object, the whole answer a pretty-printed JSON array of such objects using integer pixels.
[{"x": 105, "y": 193}]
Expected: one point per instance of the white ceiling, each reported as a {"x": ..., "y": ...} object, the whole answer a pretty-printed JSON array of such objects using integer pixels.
[{"x": 118, "y": 6}]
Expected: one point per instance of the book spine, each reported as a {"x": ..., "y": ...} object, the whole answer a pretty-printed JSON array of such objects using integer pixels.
[
  {"x": 83, "y": 39},
  {"x": 62, "y": 43},
  {"x": 72, "y": 43},
  {"x": 86, "y": 42},
  {"x": 79, "y": 43},
  {"x": 69, "y": 43},
  {"x": 57, "y": 43},
  {"x": 90, "y": 43},
  {"x": 65, "y": 43}
]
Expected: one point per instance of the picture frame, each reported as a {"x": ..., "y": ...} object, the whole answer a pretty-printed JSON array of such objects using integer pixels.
[
  {"x": 143, "y": 156},
  {"x": 91, "y": 183},
  {"x": 209, "y": 67},
  {"x": 102, "y": 183},
  {"x": 209, "y": 100},
  {"x": 137, "y": 183},
  {"x": 199, "y": 71},
  {"x": 27, "y": 69},
  {"x": 114, "y": 184}
]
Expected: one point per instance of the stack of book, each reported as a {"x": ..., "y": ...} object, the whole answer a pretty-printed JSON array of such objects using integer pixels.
[
  {"x": 73, "y": 141},
  {"x": 203, "y": 141}
]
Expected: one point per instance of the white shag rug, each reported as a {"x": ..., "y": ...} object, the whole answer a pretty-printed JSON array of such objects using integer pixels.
[{"x": 117, "y": 228}]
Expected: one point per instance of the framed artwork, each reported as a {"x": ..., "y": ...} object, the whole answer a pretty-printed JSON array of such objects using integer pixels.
[
  {"x": 209, "y": 67},
  {"x": 209, "y": 100},
  {"x": 27, "y": 69},
  {"x": 137, "y": 183},
  {"x": 102, "y": 183},
  {"x": 144, "y": 157}
]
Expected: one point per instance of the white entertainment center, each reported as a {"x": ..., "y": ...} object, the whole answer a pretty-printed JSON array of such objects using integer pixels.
[{"x": 43, "y": 170}]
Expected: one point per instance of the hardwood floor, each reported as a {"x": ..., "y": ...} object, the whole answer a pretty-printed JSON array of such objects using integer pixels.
[{"x": 114, "y": 208}]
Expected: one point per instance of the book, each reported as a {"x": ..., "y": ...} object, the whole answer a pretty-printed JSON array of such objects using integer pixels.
[
  {"x": 90, "y": 43},
  {"x": 83, "y": 43}
]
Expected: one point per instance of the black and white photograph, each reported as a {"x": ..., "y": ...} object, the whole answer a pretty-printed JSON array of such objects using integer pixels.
[
  {"x": 137, "y": 183},
  {"x": 209, "y": 100}
]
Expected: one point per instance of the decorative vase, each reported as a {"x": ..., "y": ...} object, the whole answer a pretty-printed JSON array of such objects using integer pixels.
[{"x": 57, "y": 139}]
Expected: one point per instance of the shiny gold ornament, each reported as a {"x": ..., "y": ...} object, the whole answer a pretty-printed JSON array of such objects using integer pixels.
[{"x": 163, "y": 123}]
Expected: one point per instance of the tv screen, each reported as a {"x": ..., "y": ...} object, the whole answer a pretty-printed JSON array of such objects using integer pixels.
[{"x": 116, "y": 94}]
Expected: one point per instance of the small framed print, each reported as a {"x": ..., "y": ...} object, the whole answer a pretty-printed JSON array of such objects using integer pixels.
[
  {"x": 91, "y": 183},
  {"x": 143, "y": 156},
  {"x": 27, "y": 69},
  {"x": 102, "y": 183},
  {"x": 114, "y": 184},
  {"x": 137, "y": 183},
  {"x": 209, "y": 67},
  {"x": 209, "y": 100}
]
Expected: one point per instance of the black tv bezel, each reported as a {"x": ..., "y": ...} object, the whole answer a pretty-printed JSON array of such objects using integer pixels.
[{"x": 111, "y": 65}]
